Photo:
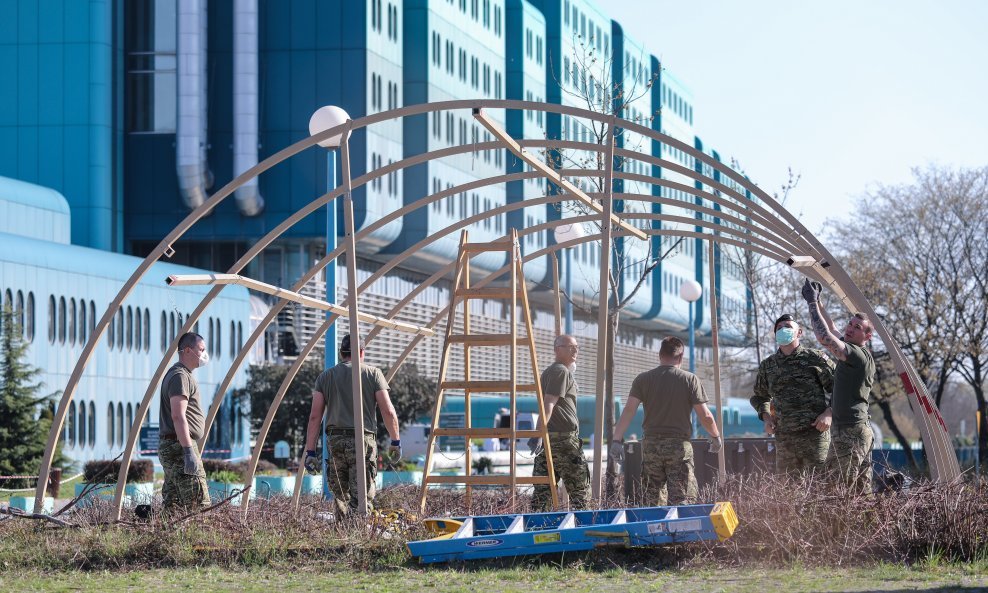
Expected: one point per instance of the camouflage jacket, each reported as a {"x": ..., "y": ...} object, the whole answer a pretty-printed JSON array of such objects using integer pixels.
[{"x": 799, "y": 387}]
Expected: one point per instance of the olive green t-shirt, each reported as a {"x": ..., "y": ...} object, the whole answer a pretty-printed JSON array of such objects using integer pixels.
[
  {"x": 558, "y": 380},
  {"x": 178, "y": 382},
  {"x": 853, "y": 379},
  {"x": 668, "y": 395},
  {"x": 336, "y": 386}
]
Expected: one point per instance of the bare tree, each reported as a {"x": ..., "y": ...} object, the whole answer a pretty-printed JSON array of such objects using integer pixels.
[
  {"x": 632, "y": 260},
  {"x": 920, "y": 252}
]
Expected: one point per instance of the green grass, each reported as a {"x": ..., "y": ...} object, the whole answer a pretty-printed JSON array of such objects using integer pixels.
[{"x": 473, "y": 578}]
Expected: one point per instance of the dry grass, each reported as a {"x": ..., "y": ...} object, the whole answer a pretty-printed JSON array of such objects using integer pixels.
[{"x": 783, "y": 522}]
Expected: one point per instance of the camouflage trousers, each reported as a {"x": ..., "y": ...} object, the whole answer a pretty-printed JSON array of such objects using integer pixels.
[
  {"x": 667, "y": 467},
  {"x": 569, "y": 464},
  {"x": 849, "y": 460},
  {"x": 342, "y": 471},
  {"x": 181, "y": 489},
  {"x": 801, "y": 451}
]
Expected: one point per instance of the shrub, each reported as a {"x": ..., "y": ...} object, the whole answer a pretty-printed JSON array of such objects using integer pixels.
[
  {"x": 225, "y": 477},
  {"x": 213, "y": 466},
  {"x": 105, "y": 471}
]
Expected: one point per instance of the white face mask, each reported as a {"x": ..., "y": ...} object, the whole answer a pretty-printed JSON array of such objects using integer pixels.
[{"x": 204, "y": 358}]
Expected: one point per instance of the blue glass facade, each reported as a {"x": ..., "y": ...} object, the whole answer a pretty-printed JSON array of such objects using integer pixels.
[
  {"x": 91, "y": 112},
  {"x": 59, "y": 114}
]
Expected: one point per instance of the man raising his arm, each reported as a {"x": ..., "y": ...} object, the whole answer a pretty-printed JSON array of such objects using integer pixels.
[{"x": 851, "y": 436}]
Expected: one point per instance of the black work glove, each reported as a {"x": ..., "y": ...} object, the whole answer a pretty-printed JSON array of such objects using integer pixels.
[
  {"x": 534, "y": 445},
  {"x": 811, "y": 291},
  {"x": 312, "y": 464},
  {"x": 193, "y": 465}
]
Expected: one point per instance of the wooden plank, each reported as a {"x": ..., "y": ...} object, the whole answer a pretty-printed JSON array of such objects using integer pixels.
[
  {"x": 487, "y": 386},
  {"x": 486, "y": 433},
  {"x": 494, "y": 293},
  {"x": 467, "y": 417},
  {"x": 501, "y": 480},
  {"x": 485, "y": 247},
  {"x": 461, "y": 263},
  {"x": 481, "y": 340},
  {"x": 539, "y": 396}
]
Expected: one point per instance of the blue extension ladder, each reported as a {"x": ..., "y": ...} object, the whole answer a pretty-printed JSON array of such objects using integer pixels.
[{"x": 495, "y": 536}]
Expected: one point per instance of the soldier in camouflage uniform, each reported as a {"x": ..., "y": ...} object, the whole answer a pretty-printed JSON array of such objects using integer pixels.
[
  {"x": 669, "y": 395},
  {"x": 849, "y": 458},
  {"x": 181, "y": 421},
  {"x": 334, "y": 391},
  {"x": 568, "y": 463},
  {"x": 797, "y": 382}
]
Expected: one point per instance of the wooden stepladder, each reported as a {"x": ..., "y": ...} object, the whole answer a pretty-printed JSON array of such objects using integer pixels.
[{"x": 514, "y": 292}]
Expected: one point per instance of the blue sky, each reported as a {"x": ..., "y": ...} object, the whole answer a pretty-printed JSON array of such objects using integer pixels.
[{"x": 848, "y": 93}]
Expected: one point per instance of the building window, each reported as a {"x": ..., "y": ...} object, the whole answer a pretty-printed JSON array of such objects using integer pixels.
[
  {"x": 120, "y": 328},
  {"x": 82, "y": 322},
  {"x": 82, "y": 424},
  {"x": 120, "y": 423},
  {"x": 130, "y": 417},
  {"x": 137, "y": 328},
  {"x": 147, "y": 331},
  {"x": 70, "y": 426},
  {"x": 150, "y": 44},
  {"x": 110, "y": 424},
  {"x": 92, "y": 424},
  {"x": 130, "y": 328},
  {"x": 29, "y": 321},
  {"x": 72, "y": 321},
  {"x": 61, "y": 320}
]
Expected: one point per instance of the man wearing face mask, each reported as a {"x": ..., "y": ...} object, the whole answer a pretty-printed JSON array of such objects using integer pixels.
[
  {"x": 568, "y": 462},
  {"x": 181, "y": 421},
  {"x": 797, "y": 382}
]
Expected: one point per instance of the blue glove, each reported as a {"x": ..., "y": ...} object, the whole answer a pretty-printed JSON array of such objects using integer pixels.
[{"x": 313, "y": 464}]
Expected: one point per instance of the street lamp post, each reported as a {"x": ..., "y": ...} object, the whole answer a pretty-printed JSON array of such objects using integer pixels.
[
  {"x": 323, "y": 119},
  {"x": 691, "y": 291},
  {"x": 562, "y": 234}
]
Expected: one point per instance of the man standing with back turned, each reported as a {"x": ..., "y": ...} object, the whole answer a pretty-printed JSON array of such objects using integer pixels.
[
  {"x": 798, "y": 382},
  {"x": 181, "y": 421},
  {"x": 852, "y": 438},
  {"x": 568, "y": 462},
  {"x": 334, "y": 390},
  {"x": 670, "y": 394}
]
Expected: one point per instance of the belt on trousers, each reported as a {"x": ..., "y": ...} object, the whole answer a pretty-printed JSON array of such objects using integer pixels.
[
  {"x": 170, "y": 437},
  {"x": 342, "y": 431},
  {"x": 558, "y": 435}
]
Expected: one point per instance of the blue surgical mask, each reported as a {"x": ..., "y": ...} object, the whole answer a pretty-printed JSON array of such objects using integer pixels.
[{"x": 785, "y": 336}]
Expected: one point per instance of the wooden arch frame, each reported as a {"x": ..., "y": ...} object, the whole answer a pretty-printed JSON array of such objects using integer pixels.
[{"x": 780, "y": 236}]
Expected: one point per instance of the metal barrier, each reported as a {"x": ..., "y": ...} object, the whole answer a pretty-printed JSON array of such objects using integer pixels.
[{"x": 744, "y": 456}]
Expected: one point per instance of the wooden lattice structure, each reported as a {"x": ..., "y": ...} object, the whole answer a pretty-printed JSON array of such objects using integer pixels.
[{"x": 743, "y": 215}]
